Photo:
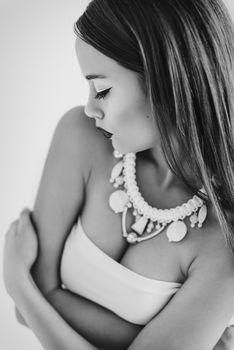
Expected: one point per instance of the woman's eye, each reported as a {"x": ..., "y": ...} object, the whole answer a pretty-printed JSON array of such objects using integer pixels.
[{"x": 100, "y": 95}]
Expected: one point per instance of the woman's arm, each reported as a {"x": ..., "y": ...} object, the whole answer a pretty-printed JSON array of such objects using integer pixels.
[
  {"x": 194, "y": 319},
  {"x": 100, "y": 326},
  {"x": 20, "y": 251},
  {"x": 49, "y": 327},
  {"x": 198, "y": 314},
  {"x": 59, "y": 201}
]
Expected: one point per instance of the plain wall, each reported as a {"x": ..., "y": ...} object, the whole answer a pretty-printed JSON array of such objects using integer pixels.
[{"x": 39, "y": 81}]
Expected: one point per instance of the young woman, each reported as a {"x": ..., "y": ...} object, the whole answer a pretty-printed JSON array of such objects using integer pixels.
[{"x": 136, "y": 230}]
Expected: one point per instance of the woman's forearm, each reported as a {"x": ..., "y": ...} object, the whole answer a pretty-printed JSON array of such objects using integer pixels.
[
  {"x": 100, "y": 326},
  {"x": 49, "y": 327}
]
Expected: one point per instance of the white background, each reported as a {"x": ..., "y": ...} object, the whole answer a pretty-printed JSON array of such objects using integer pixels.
[{"x": 39, "y": 81}]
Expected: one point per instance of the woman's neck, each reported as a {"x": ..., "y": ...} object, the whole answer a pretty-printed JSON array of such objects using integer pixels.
[{"x": 164, "y": 177}]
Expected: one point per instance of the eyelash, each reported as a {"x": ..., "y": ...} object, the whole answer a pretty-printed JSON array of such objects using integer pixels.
[{"x": 101, "y": 95}]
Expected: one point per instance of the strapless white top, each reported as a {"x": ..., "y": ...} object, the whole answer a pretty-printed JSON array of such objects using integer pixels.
[{"x": 88, "y": 271}]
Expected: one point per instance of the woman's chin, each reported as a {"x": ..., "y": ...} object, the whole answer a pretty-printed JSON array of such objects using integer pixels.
[
  {"x": 117, "y": 146},
  {"x": 124, "y": 149}
]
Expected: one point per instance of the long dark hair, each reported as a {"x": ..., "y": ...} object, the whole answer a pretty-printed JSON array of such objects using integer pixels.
[{"x": 183, "y": 52}]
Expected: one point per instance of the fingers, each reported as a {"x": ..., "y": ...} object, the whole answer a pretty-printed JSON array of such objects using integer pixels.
[
  {"x": 13, "y": 225},
  {"x": 25, "y": 215},
  {"x": 24, "y": 218},
  {"x": 12, "y": 228},
  {"x": 25, "y": 211}
]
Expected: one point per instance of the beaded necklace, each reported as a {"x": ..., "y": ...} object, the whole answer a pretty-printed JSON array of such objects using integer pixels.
[{"x": 147, "y": 218}]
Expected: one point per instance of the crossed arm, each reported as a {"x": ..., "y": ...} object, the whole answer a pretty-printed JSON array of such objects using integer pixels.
[
  {"x": 59, "y": 199},
  {"x": 98, "y": 325},
  {"x": 194, "y": 319}
]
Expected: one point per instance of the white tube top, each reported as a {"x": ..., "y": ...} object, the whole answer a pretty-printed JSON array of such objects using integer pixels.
[{"x": 88, "y": 271}]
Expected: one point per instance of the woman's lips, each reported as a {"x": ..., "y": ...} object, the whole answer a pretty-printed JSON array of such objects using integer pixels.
[{"x": 105, "y": 133}]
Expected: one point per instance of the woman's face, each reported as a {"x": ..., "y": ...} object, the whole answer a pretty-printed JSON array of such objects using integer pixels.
[{"x": 116, "y": 101}]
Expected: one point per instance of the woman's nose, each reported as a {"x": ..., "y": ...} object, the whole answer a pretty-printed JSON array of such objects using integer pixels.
[{"x": 92, "y": 110}]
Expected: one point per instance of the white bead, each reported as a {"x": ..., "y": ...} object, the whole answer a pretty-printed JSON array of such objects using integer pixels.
[
  {"x": 132, "y": 237},
  {"x": 150, "y": 224},
  {"x": 131, "y": 184},
  {"x": 191, "y": 204},
  {"x": 193, "y": 220},
  {"x": 117, "y": 154},
  {"x": 160, "y": 215},
  {"x": 182, "y": 214},
  {"x": 120, "y": 180},
  {"x": 129, "y": 171},
  {"x": 136, "y": 197},
  {"x": 188, "y": 210},
  {"x": 198, "y": 200},
  {"x": 173, "y": 214},
  {"x": 139, "y": 200}
]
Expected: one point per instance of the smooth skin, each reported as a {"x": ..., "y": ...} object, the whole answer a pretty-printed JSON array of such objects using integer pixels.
[
  {"x": 20, "y": 252},
  {"x": 198, "y": 314},
  {"x": 58, "y": 201},
  {"x": 217, "y": 301}
]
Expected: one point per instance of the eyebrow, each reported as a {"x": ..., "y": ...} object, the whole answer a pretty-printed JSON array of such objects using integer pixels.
[{"x": 95, "y": 76}]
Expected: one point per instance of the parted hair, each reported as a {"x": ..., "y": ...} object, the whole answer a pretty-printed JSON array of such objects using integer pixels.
[{"x": 183, "y": 53}]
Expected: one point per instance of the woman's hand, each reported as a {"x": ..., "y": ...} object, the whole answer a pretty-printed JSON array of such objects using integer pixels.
[{"x": 20, "y": 251}]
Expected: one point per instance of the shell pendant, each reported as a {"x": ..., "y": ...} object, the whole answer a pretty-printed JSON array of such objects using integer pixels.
[
  {"x": 176, "y": 231},
  {"x": 118, "y": 201}
]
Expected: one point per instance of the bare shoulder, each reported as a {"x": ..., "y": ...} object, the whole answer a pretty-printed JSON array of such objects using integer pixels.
[
  {"x": 206, "y": 247},
  {"x": 197, "y": 315},
  {"x": 75, "y": 119},
  {"x": 61, "y": 194},
  {"x": 86, "y": 142},
  {"x": 213, "y": 251}
]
